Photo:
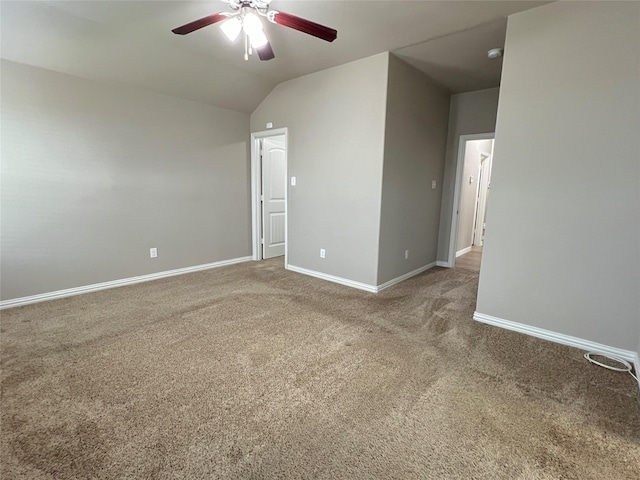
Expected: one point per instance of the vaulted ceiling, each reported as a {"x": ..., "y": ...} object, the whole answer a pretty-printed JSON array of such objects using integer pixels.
[{"x": 130, "y": 42}]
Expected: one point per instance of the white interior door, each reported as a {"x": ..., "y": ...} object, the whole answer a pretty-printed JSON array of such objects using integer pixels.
[{"x": 274, "y": 185}]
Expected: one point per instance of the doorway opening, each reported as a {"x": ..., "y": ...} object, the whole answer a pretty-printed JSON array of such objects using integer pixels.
[
  {"x": 269, "y": 194},
  {"x": 473, "y": 182}
]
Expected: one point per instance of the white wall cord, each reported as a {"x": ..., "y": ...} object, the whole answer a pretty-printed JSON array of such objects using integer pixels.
[{"x": 627, "y": 366}]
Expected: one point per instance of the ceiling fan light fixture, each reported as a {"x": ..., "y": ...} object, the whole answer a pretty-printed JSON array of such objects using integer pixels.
[
  {"x": 246, "y": 17},
  {"x": 231, "y": 28},
  {"x": 258, "y": 39},
  {"x": 252, "y": 25}
]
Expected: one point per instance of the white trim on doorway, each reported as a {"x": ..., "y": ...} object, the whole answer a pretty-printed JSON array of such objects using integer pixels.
[
  {"x": 256, "y": 176},
  {"x": 453, "y": 236},
  {"x": 484, "y": 182}
]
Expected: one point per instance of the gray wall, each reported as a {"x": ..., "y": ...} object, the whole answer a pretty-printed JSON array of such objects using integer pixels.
[
  {"x": 94, "y": 175},
  {"x": 414, "y": 147},
  {"x": 473, "y": 112},
  {"x": 562, "y": 242},
  {"x": 336, "y": 121},
  {"x": 469, "y": 191}
]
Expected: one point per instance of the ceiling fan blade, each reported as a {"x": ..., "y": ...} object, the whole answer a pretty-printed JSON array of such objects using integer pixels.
[
  {"x": 266, "y": 52},
  {"x": 201, "y": 23},
  {"x": 306, "y": 26}
]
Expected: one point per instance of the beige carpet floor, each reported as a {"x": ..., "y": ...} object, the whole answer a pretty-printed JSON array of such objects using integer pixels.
[{"x": 254, "y": 372}]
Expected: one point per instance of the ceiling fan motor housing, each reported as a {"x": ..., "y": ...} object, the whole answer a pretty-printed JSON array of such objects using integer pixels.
[
  {"x": 245, "y": 11},
  {"x": 260, "y": 5}
]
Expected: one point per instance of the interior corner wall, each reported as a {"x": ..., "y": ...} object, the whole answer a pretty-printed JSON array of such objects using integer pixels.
[
  {"x": 336, "y": 120},
  {"x": 469, "y": 113},
  {"x": 561, "y": 249},
  {"x": 414, "y": 152},
  {"x": 94, "y": 175}
]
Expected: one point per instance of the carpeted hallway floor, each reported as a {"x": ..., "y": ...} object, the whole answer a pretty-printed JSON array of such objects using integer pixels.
[{"x": 254, "y": 372}]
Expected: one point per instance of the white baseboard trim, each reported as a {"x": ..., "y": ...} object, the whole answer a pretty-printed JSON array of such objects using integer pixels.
[
  {"x": 332, "y": 278},
  {"x": 636, "y": 367},
  {"x": 404, "y": 277},
  {"x": 359, "y": 285},
  {"x": 463, "y": 251},
  {"x": 42, "y": 297},
  {"x": 556, "y": 337},
  {"x": 443, "y": 264}
]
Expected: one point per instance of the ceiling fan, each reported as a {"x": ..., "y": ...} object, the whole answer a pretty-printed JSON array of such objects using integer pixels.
[{"x": 245, "y": 16}]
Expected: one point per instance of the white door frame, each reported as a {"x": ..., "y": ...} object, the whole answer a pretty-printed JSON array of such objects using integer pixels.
[
  {"x": 484, "y": 180},
  {"x": 462, "y": 144},
  {"x": 256, "y": 181}
]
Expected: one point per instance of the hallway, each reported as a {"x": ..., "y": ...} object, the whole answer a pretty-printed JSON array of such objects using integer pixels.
[{"x": 470, "y": 261}]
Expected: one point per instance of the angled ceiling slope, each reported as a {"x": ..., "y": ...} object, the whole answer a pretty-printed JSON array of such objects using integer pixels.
[
  {"x": 130, "y": 42},
  {"x": 459, "y": 61}
]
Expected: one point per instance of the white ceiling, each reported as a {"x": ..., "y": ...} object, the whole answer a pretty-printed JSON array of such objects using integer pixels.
[{"x": 131, "y": 42}]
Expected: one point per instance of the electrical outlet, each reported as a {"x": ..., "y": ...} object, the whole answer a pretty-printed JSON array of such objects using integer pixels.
[
  {"x": 406, "y": 254},
  {"x": 153, "y": 252},
  {"x": 434, "y": 184},
  {"x": 322, "y": 253}
]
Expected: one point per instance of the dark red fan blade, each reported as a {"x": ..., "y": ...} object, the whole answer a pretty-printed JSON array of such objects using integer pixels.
[
  {"x": 306, "y": 26},
  {"x": 198, "y": 24},
  {"x": 266, "y": 52}
]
